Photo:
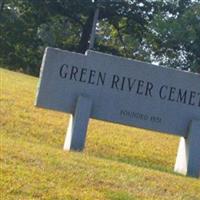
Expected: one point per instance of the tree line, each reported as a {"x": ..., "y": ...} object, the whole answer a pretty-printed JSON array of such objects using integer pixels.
[{"x": 163, "y": 32}]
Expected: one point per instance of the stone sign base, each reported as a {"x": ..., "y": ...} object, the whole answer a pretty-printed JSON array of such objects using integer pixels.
[
  {"x": 77, "y": 128},
  {"x": 188, "y": 156}
]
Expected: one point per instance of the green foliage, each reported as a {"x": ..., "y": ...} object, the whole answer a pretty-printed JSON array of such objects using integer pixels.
[
  {"x": 161, "y": 31},
  {"x": 20, "y": 49},
  {"x": 27, "y": 27},
  {"x": 175, "y": 39}
]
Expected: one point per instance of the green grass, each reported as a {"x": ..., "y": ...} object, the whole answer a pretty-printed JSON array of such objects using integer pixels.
[{"x": 118, "y": 163}]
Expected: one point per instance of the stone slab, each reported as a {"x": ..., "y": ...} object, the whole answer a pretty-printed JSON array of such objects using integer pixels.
[{"x": 122, "y": 90}]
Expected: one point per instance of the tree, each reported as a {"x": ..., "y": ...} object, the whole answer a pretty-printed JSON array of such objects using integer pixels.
[
  {"x": 18, "y": 41},
  {"x": 136, "y": 29},
  {"x": 28, "y": 26},
  {"x": 175, "y": 38},
  {"x": 1, "y": 6}
]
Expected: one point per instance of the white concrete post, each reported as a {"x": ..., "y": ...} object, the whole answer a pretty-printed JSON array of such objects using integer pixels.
[
  {"x": 77, "y": 128},
  {"x": 188, "y": 156}
]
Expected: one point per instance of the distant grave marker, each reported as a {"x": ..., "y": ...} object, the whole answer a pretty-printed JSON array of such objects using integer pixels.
[{"x": 124, "y": 91}]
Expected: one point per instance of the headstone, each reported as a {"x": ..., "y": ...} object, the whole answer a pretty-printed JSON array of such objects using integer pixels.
[{"x": 119, "y": 90}]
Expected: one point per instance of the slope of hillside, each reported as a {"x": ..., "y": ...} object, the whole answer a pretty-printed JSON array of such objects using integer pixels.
[{"x": 118, "y": 162}]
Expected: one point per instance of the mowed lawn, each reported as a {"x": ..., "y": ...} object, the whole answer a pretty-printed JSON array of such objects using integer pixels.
[{"x": 118, "y": 163}]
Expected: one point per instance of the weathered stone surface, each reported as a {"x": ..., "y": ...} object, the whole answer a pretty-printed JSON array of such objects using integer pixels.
[{"x": 121, "y": 90}]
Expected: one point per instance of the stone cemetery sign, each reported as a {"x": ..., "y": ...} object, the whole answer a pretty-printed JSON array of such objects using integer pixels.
[{"x": 118, "y": 90}]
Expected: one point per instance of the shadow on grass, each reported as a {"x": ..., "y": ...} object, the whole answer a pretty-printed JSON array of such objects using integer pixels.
[{"x": 138, "y": 162}]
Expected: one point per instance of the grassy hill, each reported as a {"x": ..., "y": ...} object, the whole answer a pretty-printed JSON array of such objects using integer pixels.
[{"x": 118, "y": 163}]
